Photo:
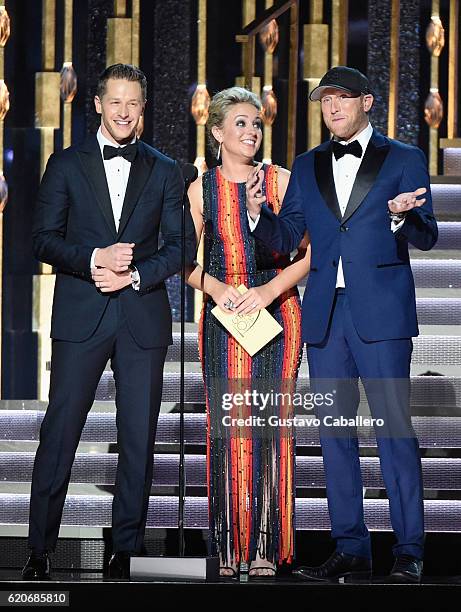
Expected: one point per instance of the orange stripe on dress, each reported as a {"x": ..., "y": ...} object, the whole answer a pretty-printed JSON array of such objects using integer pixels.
[
  {"x": 239, "y": 368},
  {"x": 290, "y": 312}
]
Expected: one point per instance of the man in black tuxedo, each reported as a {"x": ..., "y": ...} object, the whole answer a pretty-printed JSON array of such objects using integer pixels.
[{"x": 100, "y": 208}]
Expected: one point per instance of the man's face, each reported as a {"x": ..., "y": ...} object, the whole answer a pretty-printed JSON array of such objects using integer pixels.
[
  {"x": 344, "y": 113},
  {"x": 120, "y": 108}
]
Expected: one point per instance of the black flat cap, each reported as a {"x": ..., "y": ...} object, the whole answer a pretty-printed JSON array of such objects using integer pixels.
[{"x": 342, "y": 77}]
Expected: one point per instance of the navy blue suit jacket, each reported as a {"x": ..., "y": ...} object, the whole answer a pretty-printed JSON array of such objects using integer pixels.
[
  {"x": 74, "y": 215},
  {"x": 377, "y": 272}
]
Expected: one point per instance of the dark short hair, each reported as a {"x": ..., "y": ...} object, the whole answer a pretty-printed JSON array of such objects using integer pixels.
[{"x": 121, "y": 71}]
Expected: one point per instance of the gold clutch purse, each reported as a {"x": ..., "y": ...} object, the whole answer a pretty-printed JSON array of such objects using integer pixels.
[{"x": 252, "y": 331}]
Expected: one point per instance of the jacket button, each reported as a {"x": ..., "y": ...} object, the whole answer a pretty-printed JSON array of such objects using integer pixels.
[{"x": 343, "y": 228}]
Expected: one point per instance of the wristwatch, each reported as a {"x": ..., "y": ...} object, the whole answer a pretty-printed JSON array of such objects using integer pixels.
[
  {"x": 396, "y": 216},
  {"x": 135, "y": 278}
]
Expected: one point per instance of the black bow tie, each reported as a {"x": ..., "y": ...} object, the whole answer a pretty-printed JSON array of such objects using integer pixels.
[
  {"x": 129, "y": 152},
  {"x": 353, "y": 148}
]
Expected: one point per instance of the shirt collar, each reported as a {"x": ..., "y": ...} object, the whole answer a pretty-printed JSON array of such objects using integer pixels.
[
  {"x": 102, "y": 140},
  {"x": 363, "y": 138}
]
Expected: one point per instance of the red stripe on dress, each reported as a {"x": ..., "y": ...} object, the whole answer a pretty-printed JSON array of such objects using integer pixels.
[
  {"x": 240, "y": 445},
  {"x": 291, "y": 317}
]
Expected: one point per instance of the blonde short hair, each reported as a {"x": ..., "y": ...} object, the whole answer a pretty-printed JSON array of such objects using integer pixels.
[{"x": 219, "y": 107}]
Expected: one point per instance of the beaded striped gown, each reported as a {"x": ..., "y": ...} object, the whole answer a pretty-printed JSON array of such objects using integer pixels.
[{"x": 250, "y": 468}]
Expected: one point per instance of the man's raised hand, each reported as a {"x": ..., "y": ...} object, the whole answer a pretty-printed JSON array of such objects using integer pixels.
[{"x": 406, "y": 201}]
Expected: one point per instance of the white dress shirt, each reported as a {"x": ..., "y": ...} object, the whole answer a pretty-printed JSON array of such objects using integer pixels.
[
  {"x": 117, "y": 172},
  {"x": 344, "y": 174}
]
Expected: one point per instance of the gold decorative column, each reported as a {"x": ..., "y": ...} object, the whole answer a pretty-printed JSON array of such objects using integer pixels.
[
  {"x": 292, "y": 83},
  {"x": 433, "y": 111},
  {"x": 135, "y": 20},
  {"x": 68, "y": 86},
  {"x": 249, "y": 80},
  {"x": 199, "y": 109},
  {"x": 247, "y": 38},
  {"x": 4, "y": 107},
  {"x": 122, "y": 43},
  {"x": 453, "y": 62},
  {"x": 47, "y": 108},
  {"x": 201, "y": 98},
  {"x": 452, "y": 141},
  {"x": 339, "y": 32},
  {"x": 315, "y": 66},
  {"x": 394, "y": 70},
  {"x": 123, "y": 34},
  {"x": 47, "y": 120},
  {"x": 269, "y": 38}
]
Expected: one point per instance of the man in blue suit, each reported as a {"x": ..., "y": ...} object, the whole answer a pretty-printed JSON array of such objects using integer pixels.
[
  {"x": 359, "y": 310},
  {"x": 100, "y": 209}
]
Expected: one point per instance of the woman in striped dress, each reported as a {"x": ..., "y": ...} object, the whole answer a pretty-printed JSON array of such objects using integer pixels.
[{"x": 250, "y": 467}]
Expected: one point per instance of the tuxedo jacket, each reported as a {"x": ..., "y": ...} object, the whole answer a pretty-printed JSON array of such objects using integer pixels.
[
  {"x": 74, "y": 215},
  {"x": 378, "y": 278}
]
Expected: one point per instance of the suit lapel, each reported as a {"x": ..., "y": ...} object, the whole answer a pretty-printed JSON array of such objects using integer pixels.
[
  {"x": 372, "y": 162},
  {"x": 325, "y": 180},
  {"x": 140, "y": 171},
  {"x": 91, "y": 159}
]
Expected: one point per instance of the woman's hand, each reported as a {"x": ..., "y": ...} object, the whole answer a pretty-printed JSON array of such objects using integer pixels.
[
  {"x": 255, "y": 299},
  {"x": 254, "y": 194},
  {"x": 225, "y": 296}
]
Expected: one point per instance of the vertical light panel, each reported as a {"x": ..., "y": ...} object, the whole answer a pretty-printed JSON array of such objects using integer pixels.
[
  {"x": 315, "y": 65},
  {"x": 339, "y": 32},
  {"x": 292, "y": 83},
  {"x": 119, "y": 8},
  {"x": 453, "y": 62},
  {"x": 435, "y": 40},
  {"x": 248, "y": 50},
  {"x": 122, "y": 44},
  {"x": 248, "y": 78},
  {"x": 201, "y": 98},
  {"x": 48, "y": 34},
  {"x": 135, "y": 18},
  {"x": 199, "y": 110},
  {"x": 269, "y": 38},
  {"x": 68, "y": 86},
  {"x": 4, "y": 107},
  {"x": 394, "y": 70},
  {"x": 47, "y": 120}
]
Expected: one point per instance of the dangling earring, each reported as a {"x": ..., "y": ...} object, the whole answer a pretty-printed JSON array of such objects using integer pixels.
[{"x": 218, "y": 155}]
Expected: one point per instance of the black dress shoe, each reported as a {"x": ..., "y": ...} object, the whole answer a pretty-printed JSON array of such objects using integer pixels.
[
  {"x": 119, "y": 565},
  {"x": 407, "y": 569},
  {"x": 339, "y": 565},
  {"x": 38, "y": 567}
]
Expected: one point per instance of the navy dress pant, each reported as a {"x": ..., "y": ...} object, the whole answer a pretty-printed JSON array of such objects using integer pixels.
[
  {"x": 335, "y": 366},
  {"x": 76, "y": 368}
]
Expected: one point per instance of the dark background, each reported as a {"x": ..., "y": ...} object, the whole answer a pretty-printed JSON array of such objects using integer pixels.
[{"x": 168, "y": 57}]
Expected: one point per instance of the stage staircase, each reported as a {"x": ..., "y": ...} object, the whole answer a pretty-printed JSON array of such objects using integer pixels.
[{"x": 436, "y": 406}]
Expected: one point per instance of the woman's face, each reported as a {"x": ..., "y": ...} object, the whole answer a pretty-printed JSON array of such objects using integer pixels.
[{"x": 241, "y": 132}]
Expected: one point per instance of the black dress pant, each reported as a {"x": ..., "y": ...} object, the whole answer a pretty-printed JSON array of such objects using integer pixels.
[{"x": 76, "y": 368}]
